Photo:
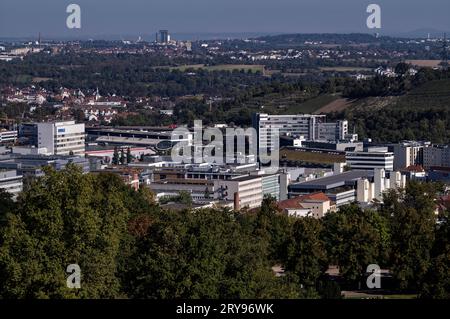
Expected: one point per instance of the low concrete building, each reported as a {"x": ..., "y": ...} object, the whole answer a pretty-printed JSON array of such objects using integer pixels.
[
  {"x": 11, "y": 181},
  {"x": 245, "y": 191},
  {"x": 352, "y": 186},
  {"x": 408, "y": 153},
  {"x": 8, "y": 136},
  {"x": 436, "y": 156},
  {"x": 370, "y": 160}
]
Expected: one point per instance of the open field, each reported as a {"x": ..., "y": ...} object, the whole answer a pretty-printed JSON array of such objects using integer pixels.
[
  {"x": 39, "y": 80},
  {"x": 425, "y": 63},
  {"x": 373, "y": 103},
  {"x": 344, "y": 69},
  {"x": 310, "y": 157},
  {"x": 312, "y": 105},
  {"x": 239, "y": 67},
  {"x": 338, "y": 105},
  {"x": 221, "y": 67},
  {"x": 184, "y": 68}
]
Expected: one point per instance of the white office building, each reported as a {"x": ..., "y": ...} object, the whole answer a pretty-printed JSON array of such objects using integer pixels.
[
  {"x": 62, "y": 138},
  {"x": 370, "y": 160},
  {"x": 309, "y": 127}
]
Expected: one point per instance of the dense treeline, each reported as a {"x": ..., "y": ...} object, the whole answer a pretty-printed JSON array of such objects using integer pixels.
[
  {"x": 393, "y": 125},
  {"x": 388, "y": 86},
  {"x": 128, "y": 247},
  {"x": 235, "y": 110},
  {"x": 124, "y": 74}
]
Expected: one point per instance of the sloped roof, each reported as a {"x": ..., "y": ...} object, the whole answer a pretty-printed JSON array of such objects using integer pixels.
[
  {"x": 414, "y": 168},
  {"x": 296, "y": 202}
]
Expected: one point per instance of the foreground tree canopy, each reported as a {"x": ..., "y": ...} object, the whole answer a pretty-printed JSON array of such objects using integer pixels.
[{"x": 128, "y": 247}]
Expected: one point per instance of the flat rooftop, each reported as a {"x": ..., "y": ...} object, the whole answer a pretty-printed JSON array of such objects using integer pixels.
[{"x": 333, "y": 181}]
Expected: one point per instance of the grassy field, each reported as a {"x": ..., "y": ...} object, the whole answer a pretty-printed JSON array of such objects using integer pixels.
[
  {"x": 221, "y": 67},
  {"x": 345, "y": 69},
  {"x": 310, "y": 157},
  {"x": 425, "y": 63},
  {"x": 311, "y": 106},
  {"x": 23, "y": 78},
  {"x": 337, "y": 105},
  {"x": 39, "y": 80}
]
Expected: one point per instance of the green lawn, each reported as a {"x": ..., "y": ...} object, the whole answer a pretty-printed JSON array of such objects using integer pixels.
[
  {"x": 221, "y": 67},
  {"x": 310, "y": 157}
]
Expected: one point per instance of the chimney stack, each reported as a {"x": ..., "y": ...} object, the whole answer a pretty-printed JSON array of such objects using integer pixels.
[{"x": 237, "y": 200}]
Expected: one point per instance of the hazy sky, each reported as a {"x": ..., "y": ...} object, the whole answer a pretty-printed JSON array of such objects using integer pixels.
[{"x": 116, "y": 17}]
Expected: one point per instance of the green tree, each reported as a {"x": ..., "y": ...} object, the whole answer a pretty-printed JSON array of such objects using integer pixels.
[
  {"x": 402, "y": 68},
  {"x": 129, "y": 156},
  {"x": 123, "y": 159},
  {"x": 355, "y": 238},
  {"x": 115, "y": 159},
  {"x": 7, "y": 205},
  {"x": 306, "y": 252},
  {"x": 64, "y": 218},
  {"x": 437, "y": 280},
  {"x": 202, "y": 254},
  {"x": 411, "y": 222},
  {"x": 185, "y": 198},
  {"x": 273, "y": 227}
]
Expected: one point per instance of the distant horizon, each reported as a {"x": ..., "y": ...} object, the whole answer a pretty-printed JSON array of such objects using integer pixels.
[
  {"x": 199, "y": 36},
  {"x": 106, "y": 18}
]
